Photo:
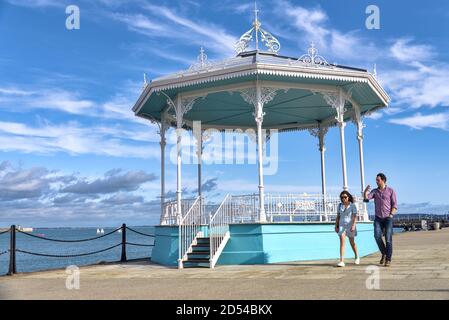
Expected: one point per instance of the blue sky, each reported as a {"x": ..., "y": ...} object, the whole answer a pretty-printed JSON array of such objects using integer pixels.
[{"x": 72, "y": 153}]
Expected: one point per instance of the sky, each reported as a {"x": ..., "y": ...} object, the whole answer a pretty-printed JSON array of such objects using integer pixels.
[{"x": 72, "y": 153}]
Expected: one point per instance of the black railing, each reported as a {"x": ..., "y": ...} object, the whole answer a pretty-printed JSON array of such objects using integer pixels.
[{"x": 13, "y": 245}]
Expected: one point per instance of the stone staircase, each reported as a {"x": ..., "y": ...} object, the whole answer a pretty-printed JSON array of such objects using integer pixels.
[{"x": 200, "y": 255}]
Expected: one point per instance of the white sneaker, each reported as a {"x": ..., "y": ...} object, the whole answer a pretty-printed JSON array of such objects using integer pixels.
[
  {"x": 357, "y": 261},
  {"x": 341, "y": 264}
]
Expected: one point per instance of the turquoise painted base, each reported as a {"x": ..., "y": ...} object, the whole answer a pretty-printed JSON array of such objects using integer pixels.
[
  {"x": 284, "y": 242},
  {"x": 271, "y": 243},
  {"x": 166, "y": 246}
]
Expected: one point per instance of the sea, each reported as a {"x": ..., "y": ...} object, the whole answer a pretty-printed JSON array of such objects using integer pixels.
[{"x": 27, "y": 263}]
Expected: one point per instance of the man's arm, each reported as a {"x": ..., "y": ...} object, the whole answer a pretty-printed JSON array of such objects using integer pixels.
[
  {"x": 367, "y": 195},
  {"x": 394, "y": 203}
]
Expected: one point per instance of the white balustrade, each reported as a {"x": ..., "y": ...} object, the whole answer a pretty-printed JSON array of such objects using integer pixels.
[
  {"x": 278, "y": 208},
  {"x": 219, "y": 228},
  {"x": 190, "y": 228}
]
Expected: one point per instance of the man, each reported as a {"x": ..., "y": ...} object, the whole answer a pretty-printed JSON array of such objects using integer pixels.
[{"x": 385, "y": 206}]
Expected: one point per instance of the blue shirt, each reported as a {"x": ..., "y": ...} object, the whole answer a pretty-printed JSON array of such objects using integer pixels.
[{"x": 346, "y": 214}]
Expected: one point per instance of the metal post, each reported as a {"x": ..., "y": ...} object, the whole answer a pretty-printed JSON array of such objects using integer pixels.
[
  {"x": 359, "y": 122},
  {"x": 162, "y": 144},
  {"x": 342, "y": 124},
  {"x": 12, "y": 251},
  {"x": 259, "y": 120},
  {"x": 179, "y": 116},
  {"x": 123, "y": 259},
  {"x": 322, "y": 148}
]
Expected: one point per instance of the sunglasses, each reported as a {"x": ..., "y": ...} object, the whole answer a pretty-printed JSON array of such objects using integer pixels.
[{"x": 344, "y": 197}]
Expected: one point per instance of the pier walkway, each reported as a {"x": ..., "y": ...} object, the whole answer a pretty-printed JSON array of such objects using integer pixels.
[{"x": 420, "y": 270}]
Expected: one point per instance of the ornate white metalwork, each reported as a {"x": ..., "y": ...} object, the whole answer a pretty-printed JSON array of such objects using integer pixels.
[
  {"x": 266, "y": 95},
  {"x": 337, "y": 102},
  {"x": 319, "y": 132},
  {"x": 312, "y": 58},
  {"x": 267, "y": 38},
  {"x": 358, "y": 121},
  {"x": 201, "y": 62},
  {"x": 250, "y": 96},
  {"x": 180, "y": 110}
]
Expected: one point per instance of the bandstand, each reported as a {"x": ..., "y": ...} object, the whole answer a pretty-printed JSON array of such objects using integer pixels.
[{"x": 258, "y": 89}]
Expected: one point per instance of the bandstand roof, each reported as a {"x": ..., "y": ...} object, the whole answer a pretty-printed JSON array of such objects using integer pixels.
[{"x": 303, "y": 85}]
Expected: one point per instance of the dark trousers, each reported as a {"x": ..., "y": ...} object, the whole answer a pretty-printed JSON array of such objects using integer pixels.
[{"x": 384, "y": 226}]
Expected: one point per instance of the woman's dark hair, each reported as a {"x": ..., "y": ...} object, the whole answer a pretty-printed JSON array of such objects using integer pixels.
[
  {"x": 350, "y": 197},
  {"x": 382, "y": 176}
]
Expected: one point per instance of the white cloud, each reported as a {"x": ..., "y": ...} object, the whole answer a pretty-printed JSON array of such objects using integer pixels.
[
  {"x": 36, "y": 3},
  {"x": 74, "y": 139},
  {"x": 39, "y": 196},
  {"x": 163, "y": 22},
  {"x": 419, "y": 121},
  {"x": 418, "y": 85},
  {"x": 20, "y": 100},
  {"x": 404, "y": 51},
  {"x": 312, "y": 24}
]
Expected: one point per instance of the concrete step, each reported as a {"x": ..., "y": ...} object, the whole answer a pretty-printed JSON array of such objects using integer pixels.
[
  {"x": 203, "y": 240},
  {"x": 202, "y": 248},
  {"x": 190, "y": 264},
  {"x": 196, "y": 254}
]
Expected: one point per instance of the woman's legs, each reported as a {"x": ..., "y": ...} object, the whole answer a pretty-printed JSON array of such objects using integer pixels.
[
  {"x": 342, "y": 247},
  {"x": 354, "y": 247}
]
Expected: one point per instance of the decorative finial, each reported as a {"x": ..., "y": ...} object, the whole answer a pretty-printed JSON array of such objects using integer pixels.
[
  {"x": 267, "y": 38},
  {"x": 201, "y": 61},
  {"x": 202, "y": 57},
  {"x": 256, "y": 24},
  {"x": 312, "y": 58},
  {"x": 145, "y": 83},
  {"x": 375, "y": 71}
]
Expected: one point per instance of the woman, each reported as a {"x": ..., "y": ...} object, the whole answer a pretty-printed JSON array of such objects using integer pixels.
[{"x": 345, "y": 225}]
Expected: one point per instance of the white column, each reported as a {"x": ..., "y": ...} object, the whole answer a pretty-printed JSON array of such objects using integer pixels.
[
  {"x": 337, "y": 101},
  {"x": 343, "y": 154},
  {"x": 258, "y": 97},
  {"x": 320, "y": 132},
  {"x": 162, "y": 143},
  {"x": 342, "y": 124},
  {"x": 179, "y": 119},
  {"x": 362, "y": 165},
  {"x": 322, "y": 148},
  {"x": 199, "y": 153},
  {"x": 360, "y": 126},
  {"x": 259, "y": 119}
]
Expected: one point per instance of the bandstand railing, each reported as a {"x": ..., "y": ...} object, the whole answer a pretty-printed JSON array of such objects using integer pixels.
[
  {"x": 190, "y": 228},
  {"x": 170, "y": 211},
  {"x": 278, "y": 208},
  {"x": 219, "y": 228},
  {"x": 307, "y": 208}
]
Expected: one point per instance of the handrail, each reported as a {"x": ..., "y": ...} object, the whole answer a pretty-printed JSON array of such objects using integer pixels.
[
  {"x": 219, "y": 228},
  {"x": 189, "y": 228}
]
